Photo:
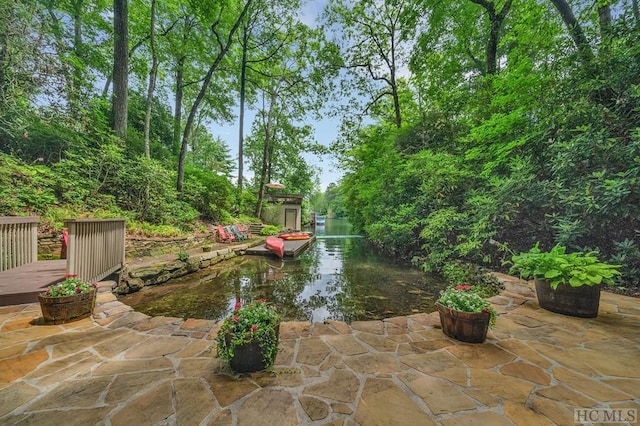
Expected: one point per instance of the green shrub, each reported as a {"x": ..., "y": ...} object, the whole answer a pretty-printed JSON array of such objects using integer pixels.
[
  {"x": 461, "y": 273},
  {"x": 270, "y": 230}
]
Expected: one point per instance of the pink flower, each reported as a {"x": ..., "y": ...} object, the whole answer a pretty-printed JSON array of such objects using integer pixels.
[
  {"x": 236, "y": 318},
  {"x": 254, "y": 327},
  {"x": 78, "y": 290},
  {"x": 70, "y": 275},
  {"x": 463, "y": 287},
  {"x": 95, "y": 285},
  {"x": 237, "y": 307}
]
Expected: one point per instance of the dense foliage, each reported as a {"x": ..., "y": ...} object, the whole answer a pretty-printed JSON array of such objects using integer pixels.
[
  {"x": 542, "y": 147},
  {"x": 69, "y": 147}
]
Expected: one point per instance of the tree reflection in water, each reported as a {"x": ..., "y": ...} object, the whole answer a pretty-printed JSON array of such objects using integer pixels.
[{"x": 338, "y": 278}]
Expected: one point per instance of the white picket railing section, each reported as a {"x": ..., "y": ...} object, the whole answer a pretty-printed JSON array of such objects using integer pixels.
[
  {"x": 96, "y": 247},
  {"x": 18, "y": 241}
]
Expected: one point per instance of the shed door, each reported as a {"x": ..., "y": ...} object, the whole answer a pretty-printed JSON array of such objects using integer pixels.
[{"x": 290, "y": 218}]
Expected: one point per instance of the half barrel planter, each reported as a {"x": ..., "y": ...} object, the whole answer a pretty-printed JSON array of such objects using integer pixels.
[
  {"x": 63, "y": 309},
  {"x": 469, "y": 327},
  {"x": 582, "y": 301}
]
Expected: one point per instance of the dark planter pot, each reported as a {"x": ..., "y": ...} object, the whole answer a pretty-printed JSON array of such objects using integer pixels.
[
  {"x": 60, "y": 310},
  {"x": 580, "y": 301},
  {"x": 467, "y": 327},
  {"x": 249, "y": 357}
]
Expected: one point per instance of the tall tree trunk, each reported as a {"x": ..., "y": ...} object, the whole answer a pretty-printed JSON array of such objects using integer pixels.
[
  {"x": 604, "y": 18},
  {"x": 177, "y": 112},
  {"x": 265, "y": 172},
  {"x": 3, "y": 65},
  {"x": 575, "y": 30},
  {"x": 120, "y": 67},
  {"x": 224, "y": 48},
  {"x": 394, "y": 83},
  {"x": 152, "y": 81},
  {"x": 243, "y": 79},
  {"x": 141, "y": 42},
  {"x": 78, "y": 51},
  {"x": 495, "y": 25},
  {"x": 636, "y": 12}
]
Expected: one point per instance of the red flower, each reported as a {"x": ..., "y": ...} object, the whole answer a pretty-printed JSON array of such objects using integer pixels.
[
  {"x": 70, "y": 275},
  {"x": 95, "y": 285},
  {"x": 463, "y": 287},
  {"x": 236, "y": 318},
  {"x": 237, "y": 307},
  {"x": 78, "y": 290},
  {"x": 254, "y": 327}
]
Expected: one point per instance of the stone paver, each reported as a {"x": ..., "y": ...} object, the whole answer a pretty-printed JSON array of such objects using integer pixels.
[{"x": 122, "y": 367}]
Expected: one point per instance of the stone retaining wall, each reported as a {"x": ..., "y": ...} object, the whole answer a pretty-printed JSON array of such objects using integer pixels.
[
  {"x": 134, "y": 277},
  {"x": 143, "y": 247},
  {"x": 49, "y": 245}
]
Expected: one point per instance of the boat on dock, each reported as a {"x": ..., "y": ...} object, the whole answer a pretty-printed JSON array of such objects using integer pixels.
[
  {"x": 296, "y": 236},
  {"x": 275, "y": 245},
  {"x": 291, "y": 248}
]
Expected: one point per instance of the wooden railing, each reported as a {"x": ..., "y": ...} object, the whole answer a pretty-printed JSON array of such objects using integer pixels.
[
  {"x": 95, "y": 248},
  {"x": 18, "y": 241}
]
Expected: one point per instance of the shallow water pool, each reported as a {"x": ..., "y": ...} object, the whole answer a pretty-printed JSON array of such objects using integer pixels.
[{"x": 338, "y": 278}]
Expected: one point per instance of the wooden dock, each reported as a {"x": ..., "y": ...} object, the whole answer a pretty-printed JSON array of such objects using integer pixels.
[
  {"x": 292, "y": 248},
  {"x": 23, "y": 284}
]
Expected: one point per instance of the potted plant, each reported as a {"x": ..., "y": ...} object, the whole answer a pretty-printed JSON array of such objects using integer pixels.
[
  {"x": 464, "y": 314},
  {"x": 68, "y": 300},
  {"x": 248, "y": 338},
  {"x": 566, "y": 283}
]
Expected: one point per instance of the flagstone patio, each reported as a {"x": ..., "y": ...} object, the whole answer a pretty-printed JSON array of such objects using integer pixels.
[{"x": 125, "y": 368}]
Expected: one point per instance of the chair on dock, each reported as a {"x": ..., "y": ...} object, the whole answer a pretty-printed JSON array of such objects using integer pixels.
[
  {"x": 240, "y": 232},
  {"x": 245, "y": 230},
  {"x": 236, "y": 232},
  {"x": 225, "y": 236}
]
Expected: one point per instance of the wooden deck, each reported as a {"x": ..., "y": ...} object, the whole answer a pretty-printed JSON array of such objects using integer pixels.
[
  {"x": 292, "y": 248},
  {"x": 23, "y": 284}
]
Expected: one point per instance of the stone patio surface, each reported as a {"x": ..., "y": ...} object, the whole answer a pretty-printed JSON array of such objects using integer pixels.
[{"x": 125, "y": 368}]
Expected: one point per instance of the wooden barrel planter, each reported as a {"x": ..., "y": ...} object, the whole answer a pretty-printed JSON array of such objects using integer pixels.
[
  {"x": 469, "y": 327},
  {"x": 60, "y": 310},
  {"x": 580, "y": 301}
]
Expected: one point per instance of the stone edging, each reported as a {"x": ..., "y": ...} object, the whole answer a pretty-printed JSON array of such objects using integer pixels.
[
  {"x": 111, "y": 313},
  {"x": 135, "y": 278}
]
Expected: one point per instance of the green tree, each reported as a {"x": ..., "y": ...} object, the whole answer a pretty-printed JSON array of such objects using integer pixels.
[
  {"x": 120, "y": 67},
  {"x": 223, "y": 33},
  {"x": 374, "y": 38}
]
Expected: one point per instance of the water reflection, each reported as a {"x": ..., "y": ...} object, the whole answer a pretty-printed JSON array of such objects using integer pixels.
[{"x": 338, "y": 277}]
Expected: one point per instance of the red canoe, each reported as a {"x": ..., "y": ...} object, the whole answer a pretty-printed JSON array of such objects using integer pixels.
[
  {"x": 296, "y": 236},
  {"x": 276, "y": 245}
]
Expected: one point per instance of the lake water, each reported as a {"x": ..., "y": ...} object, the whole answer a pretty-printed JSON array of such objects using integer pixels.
[{"x": 339, "y": 277}]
